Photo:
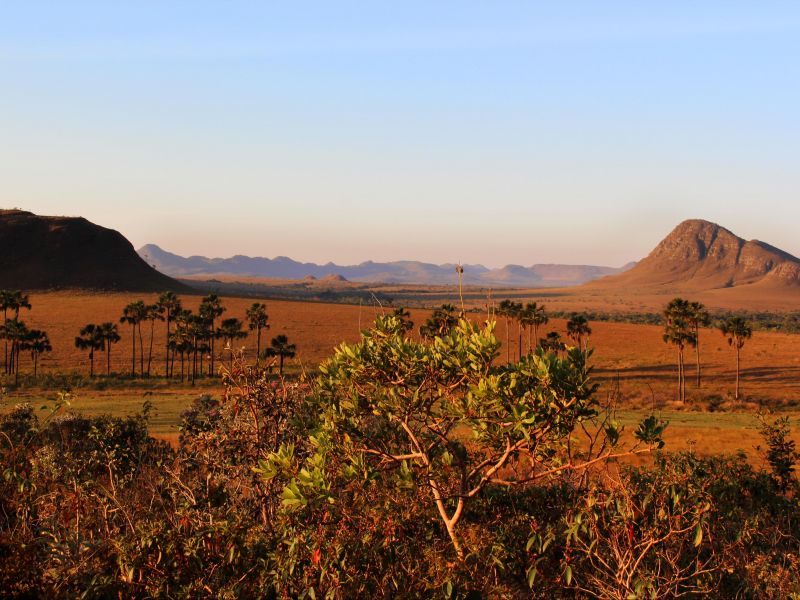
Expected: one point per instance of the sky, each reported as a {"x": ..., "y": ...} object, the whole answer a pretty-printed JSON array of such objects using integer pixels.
[{"x": 481, "y": 132}]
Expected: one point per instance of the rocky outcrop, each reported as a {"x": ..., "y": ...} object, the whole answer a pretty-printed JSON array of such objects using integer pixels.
[{"x": 699, "y": 254}]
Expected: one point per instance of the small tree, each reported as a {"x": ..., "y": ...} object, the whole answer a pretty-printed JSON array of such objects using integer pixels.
[
  {"x": 738, "y": 331},
  {"x": 257, "y": 320},
  {"x": 442, "y": 421},
  {"x": 91, "y": 339},
  {"x": 281, "y": 348}
]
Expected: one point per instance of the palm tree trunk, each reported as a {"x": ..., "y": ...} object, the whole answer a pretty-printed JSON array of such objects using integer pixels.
[
  {"x": 5, "y": 324},
  {"x": 536, "y": 333},
  {"x": 736, "y": 395},
  {"x": 508, "y": 343},
  {"x": 35, "y": 364},
  {"x": 258, "y": 345},
  {"x": 91, "y": 363},
  {"x": 166, "y": 349},
  {"x": 182, "y": 353},
  {"x": 150, "y": 351},
  {"x": 697, "y": 352},
  {"x": 211, "y": 365},
  {"x": 133, "y": 350},
  {"x": 280, "y": 370},
  {"x": 141, "y": 352},
  {"x": 108, "y": 358}
]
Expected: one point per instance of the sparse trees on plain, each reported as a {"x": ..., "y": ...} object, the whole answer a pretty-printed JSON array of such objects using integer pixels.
[{"x": 737, "y": 331}]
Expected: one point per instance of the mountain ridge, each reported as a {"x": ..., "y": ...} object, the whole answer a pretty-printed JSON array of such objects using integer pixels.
[{"x": 402, "y": 272}]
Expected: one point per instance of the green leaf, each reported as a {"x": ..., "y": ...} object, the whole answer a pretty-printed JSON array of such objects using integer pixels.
[{"x": 698, "y": 535}]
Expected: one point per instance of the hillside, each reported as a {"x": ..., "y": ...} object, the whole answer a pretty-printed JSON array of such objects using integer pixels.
[
  {"x": 699, "y": 255},
  {"x": 38, "y": 252},
  {"x": 400, "y": 272}
]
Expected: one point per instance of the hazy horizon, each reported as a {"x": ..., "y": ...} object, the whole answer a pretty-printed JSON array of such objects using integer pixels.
[{"x": 510, "y": 133}]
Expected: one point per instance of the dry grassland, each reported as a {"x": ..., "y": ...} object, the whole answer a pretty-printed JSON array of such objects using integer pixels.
[{"x": 629, "y": 358}]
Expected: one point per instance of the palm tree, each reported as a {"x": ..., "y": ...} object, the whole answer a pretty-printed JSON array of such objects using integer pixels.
[
  {"x": 281, "y": 348},
  {"x": 110, "y": 334},
  {"x": 91, "y": 339},
  {"x": 738, "y": 331},
  {"x": 12, "y": 300},
  {"x": 229, "y": 330},
  {"x": 440, "y": 323},
  {"x": 518, "y": 314},
  {"x": 678, "y": 333},
  {"x": 577, "y": 328},
  {"x": 534, "y": 315},
  {"x": 37, "y": 343},
  {"x": 14, "y": 331},
  {"x": 210, "y": 309},
  {"x": 153, "y": 313},
  {"x": 169, "y": 305},
  {"x": 552, "y": 342},
  {"x": 506, "y": 309},
  {"x": 181, "y": 340},
  {"x": 698, "y": 317},
  {"x": 257, "y": 320},
  {"x": 133, "y": 314},
  {"x": 405, "y": 318}
]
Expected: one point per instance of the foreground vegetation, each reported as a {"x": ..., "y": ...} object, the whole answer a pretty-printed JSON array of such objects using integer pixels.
[{"x": 405, "y": 468}]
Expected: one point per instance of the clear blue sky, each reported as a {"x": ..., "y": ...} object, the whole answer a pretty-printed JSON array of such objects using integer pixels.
[{"x": 492, "y": 132}]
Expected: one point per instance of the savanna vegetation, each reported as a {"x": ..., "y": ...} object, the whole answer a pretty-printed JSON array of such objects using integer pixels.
[{"x": 404, "y": 466}]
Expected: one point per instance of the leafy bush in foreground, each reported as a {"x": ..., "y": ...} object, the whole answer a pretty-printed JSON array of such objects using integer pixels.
[{"x": 406, "y": 470}]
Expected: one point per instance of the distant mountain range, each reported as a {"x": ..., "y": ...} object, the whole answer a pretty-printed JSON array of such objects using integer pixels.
[{"x": 403, "y": 272}]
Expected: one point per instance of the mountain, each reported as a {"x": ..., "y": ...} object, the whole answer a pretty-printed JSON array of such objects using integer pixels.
[
  {"x": 403, "y": 272},
  {"x": 700, "y": 255},
  {"x": 39, "y": 252}
]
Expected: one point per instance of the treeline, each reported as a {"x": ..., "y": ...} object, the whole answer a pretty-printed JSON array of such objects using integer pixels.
[
  {"x": 192, "y": 340},
  {"x": 788, "y": 322},
  {"x": 407, "y": 468}
]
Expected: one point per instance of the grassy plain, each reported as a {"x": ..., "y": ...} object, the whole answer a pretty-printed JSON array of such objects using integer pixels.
[{"x": 629, "y": 359}]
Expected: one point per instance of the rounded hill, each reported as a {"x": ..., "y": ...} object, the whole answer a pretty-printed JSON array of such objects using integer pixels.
[{"x": 38, "y": 252}]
